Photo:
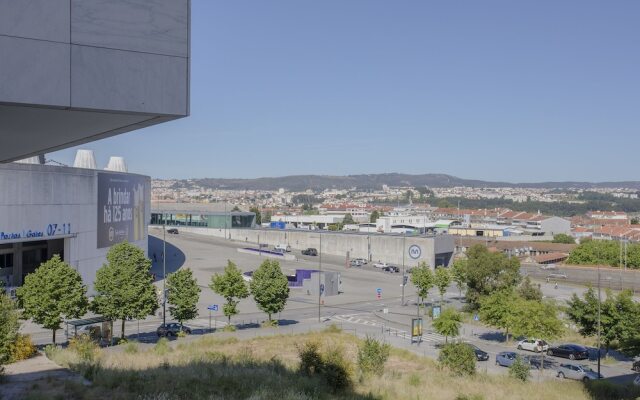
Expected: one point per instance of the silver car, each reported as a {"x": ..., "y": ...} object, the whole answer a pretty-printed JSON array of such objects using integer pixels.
[{"x": 577, "y": 372}]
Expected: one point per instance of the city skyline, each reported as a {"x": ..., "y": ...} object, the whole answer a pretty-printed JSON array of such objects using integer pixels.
[{"x": 514, "y": 92}]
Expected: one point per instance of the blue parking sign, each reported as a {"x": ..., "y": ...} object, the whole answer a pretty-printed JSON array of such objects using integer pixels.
[{"x": 213, "y": 307}]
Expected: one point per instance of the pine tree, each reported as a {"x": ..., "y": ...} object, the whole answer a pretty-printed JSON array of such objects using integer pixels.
[
  {"x": 183, "y": 295},
  {"x": 52, "y": 293},
  {"x": 124, "y": 285}
]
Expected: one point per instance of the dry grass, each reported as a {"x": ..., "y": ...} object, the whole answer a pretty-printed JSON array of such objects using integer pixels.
[{"x": 266, "y": 368}]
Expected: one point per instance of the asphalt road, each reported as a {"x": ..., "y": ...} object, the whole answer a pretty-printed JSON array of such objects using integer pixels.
[{"x": 357, "y": 309}]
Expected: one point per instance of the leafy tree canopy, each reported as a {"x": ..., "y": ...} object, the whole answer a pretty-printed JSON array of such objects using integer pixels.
[
  {"x": 422, "y": 278},
  {"x": 9, "y": 326},
  {"x": 563, "y": 238},
  {"x": 488, "y": 272},
  {"x": 231, "y": 286},
  {"x": 448, "y": 323},
  {"x": 184, "y": 293},
  {"x": 124, "y": 285},
  {"x": 52, "y": 293},
  {"x": 270, "y": 287}
]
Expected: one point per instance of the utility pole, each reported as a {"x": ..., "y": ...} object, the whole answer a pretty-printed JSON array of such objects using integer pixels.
[
  {"x": 164, "y": 272},
  {"x": 319, "y": 275},
  {"x": 599, "y": 310}
]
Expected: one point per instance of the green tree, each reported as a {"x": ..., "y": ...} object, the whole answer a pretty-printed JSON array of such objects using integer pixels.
[
  {"x": 459, "y": 274},
  {"x": 442, "y": 280},
  {"x": 619, "y": 316},
  {"x": 423, "y": 279},
  {"x": 533, "y": 318},
  {"x": 235, "y": 209},
  {"x": 267, "y": 217},
  {"x": 496, "y": 310},
  {"x": 448, "y": 323},
  {"x": 256, "y": 210},
  {"x": 528, "y": 291},
  {"x": 52, "y": 293},
  {"x": 488, "y": 272},
  {"x": 459, "y": 358},
  {"x": 231, "y": 286},
  {"x": 9, "y": 326},
  {"x": 444, "y": 203},
  {"x": 184, "y": 293},
  {"x": 348, "y": 219},
  {"x": 374, "y": 216},
  {"x": 270, "y": 287},
  {"x": 124, "y": 285},
  {"x": 634, "y": 221},
  {"x": 563, "y": 238}
]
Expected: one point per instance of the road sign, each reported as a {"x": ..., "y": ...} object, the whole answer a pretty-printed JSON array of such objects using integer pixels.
[
  {"x": 379, "y": 290},
  {"x": 415, "y": 252},
  {"x": 213, "y": 307},
  {"x": 435, "y": 312},
  {"x": 476, "y": 317}
]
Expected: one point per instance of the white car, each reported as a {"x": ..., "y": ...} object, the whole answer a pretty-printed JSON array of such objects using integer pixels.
[
  {"x": 535, "y": 345},
  {"x": 283, "y": 248},
  {"x": 380, "y": 265}
]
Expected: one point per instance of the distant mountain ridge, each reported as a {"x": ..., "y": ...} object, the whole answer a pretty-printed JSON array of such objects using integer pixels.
[{"x": 375, "y": 182}]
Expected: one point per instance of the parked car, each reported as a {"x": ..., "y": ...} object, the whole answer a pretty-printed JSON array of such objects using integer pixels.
[
  {"x": 363, "y": 261},
  {"x": 172, "y": 329},
  {"x": 481, "y": 355},
  {"x": 173, "y": 231},
  {"x": 636, "y": 366},
  {"x": 535, "y": 345},
  {"x": 547, "y": 266},
  {"x": 577, "y": 372},
  {"x": 570, "y": 351},
  {"x": 247, "y": 276},
  {"x": 391, "y": 268},
  {"x": 282, "y": 248},
  {"x": 507, "y": 358},
  {"x": 355, "y": 263},
  {"x": 380, "y": 265},
  {"x": 310, "y": 252}
]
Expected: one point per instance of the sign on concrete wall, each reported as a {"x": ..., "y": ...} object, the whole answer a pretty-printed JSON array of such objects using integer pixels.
[{"x": 121, "y": 208}]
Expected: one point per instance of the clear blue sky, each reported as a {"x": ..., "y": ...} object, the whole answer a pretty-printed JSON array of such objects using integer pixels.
[{"x": 495, "y": 90}]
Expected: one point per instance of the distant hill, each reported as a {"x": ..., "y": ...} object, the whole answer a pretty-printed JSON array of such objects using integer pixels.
[{"x": 375, "y": 181}]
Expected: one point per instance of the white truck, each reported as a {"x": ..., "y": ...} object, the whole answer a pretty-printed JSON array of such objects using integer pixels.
[{"x": 282, "y": 248}]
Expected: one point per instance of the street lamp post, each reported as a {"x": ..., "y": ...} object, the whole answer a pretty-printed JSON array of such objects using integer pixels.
[{"x": 404, "y": 250}]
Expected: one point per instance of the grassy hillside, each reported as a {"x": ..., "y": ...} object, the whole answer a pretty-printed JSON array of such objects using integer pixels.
[{"x": 267, "y": 368}]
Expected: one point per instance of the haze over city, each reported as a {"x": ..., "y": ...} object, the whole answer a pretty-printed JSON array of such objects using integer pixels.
[{"x": 495, "y": 90}]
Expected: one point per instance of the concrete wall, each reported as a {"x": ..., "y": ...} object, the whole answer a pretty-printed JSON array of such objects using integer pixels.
[
  {"x": 375, "y": 247},
  {"x": 36, "y": 196},
  {"x": 118, "y": 57}
]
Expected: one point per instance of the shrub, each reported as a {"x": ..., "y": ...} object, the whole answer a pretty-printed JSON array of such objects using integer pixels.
[
  {"x": 182, "y": 334},
  {"x": 22, "y": 348},
  {"x": 229, "y": 328},
  {"x": 605, "y": 390},
  {"x": 310, "y": 358},
  {"x": 332, "y": 366},
  {"x": 51, "y": 351},
  {"x": 333, "y": 328},
  {"x": 131, "y": 348},
  {"x": 162, "y": 347},
  {"x": 519, "y": 369},
  {"x": 84, "y": 347},
  {"x": 459, "y": 358},
  {"x": 336, "y": 370},
  {"x": 372, "y": 355}
]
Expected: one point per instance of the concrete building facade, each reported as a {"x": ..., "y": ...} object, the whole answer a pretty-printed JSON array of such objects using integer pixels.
[
  {"x": 74, "y": 71},
  {"x": 76, "y": 213}
]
